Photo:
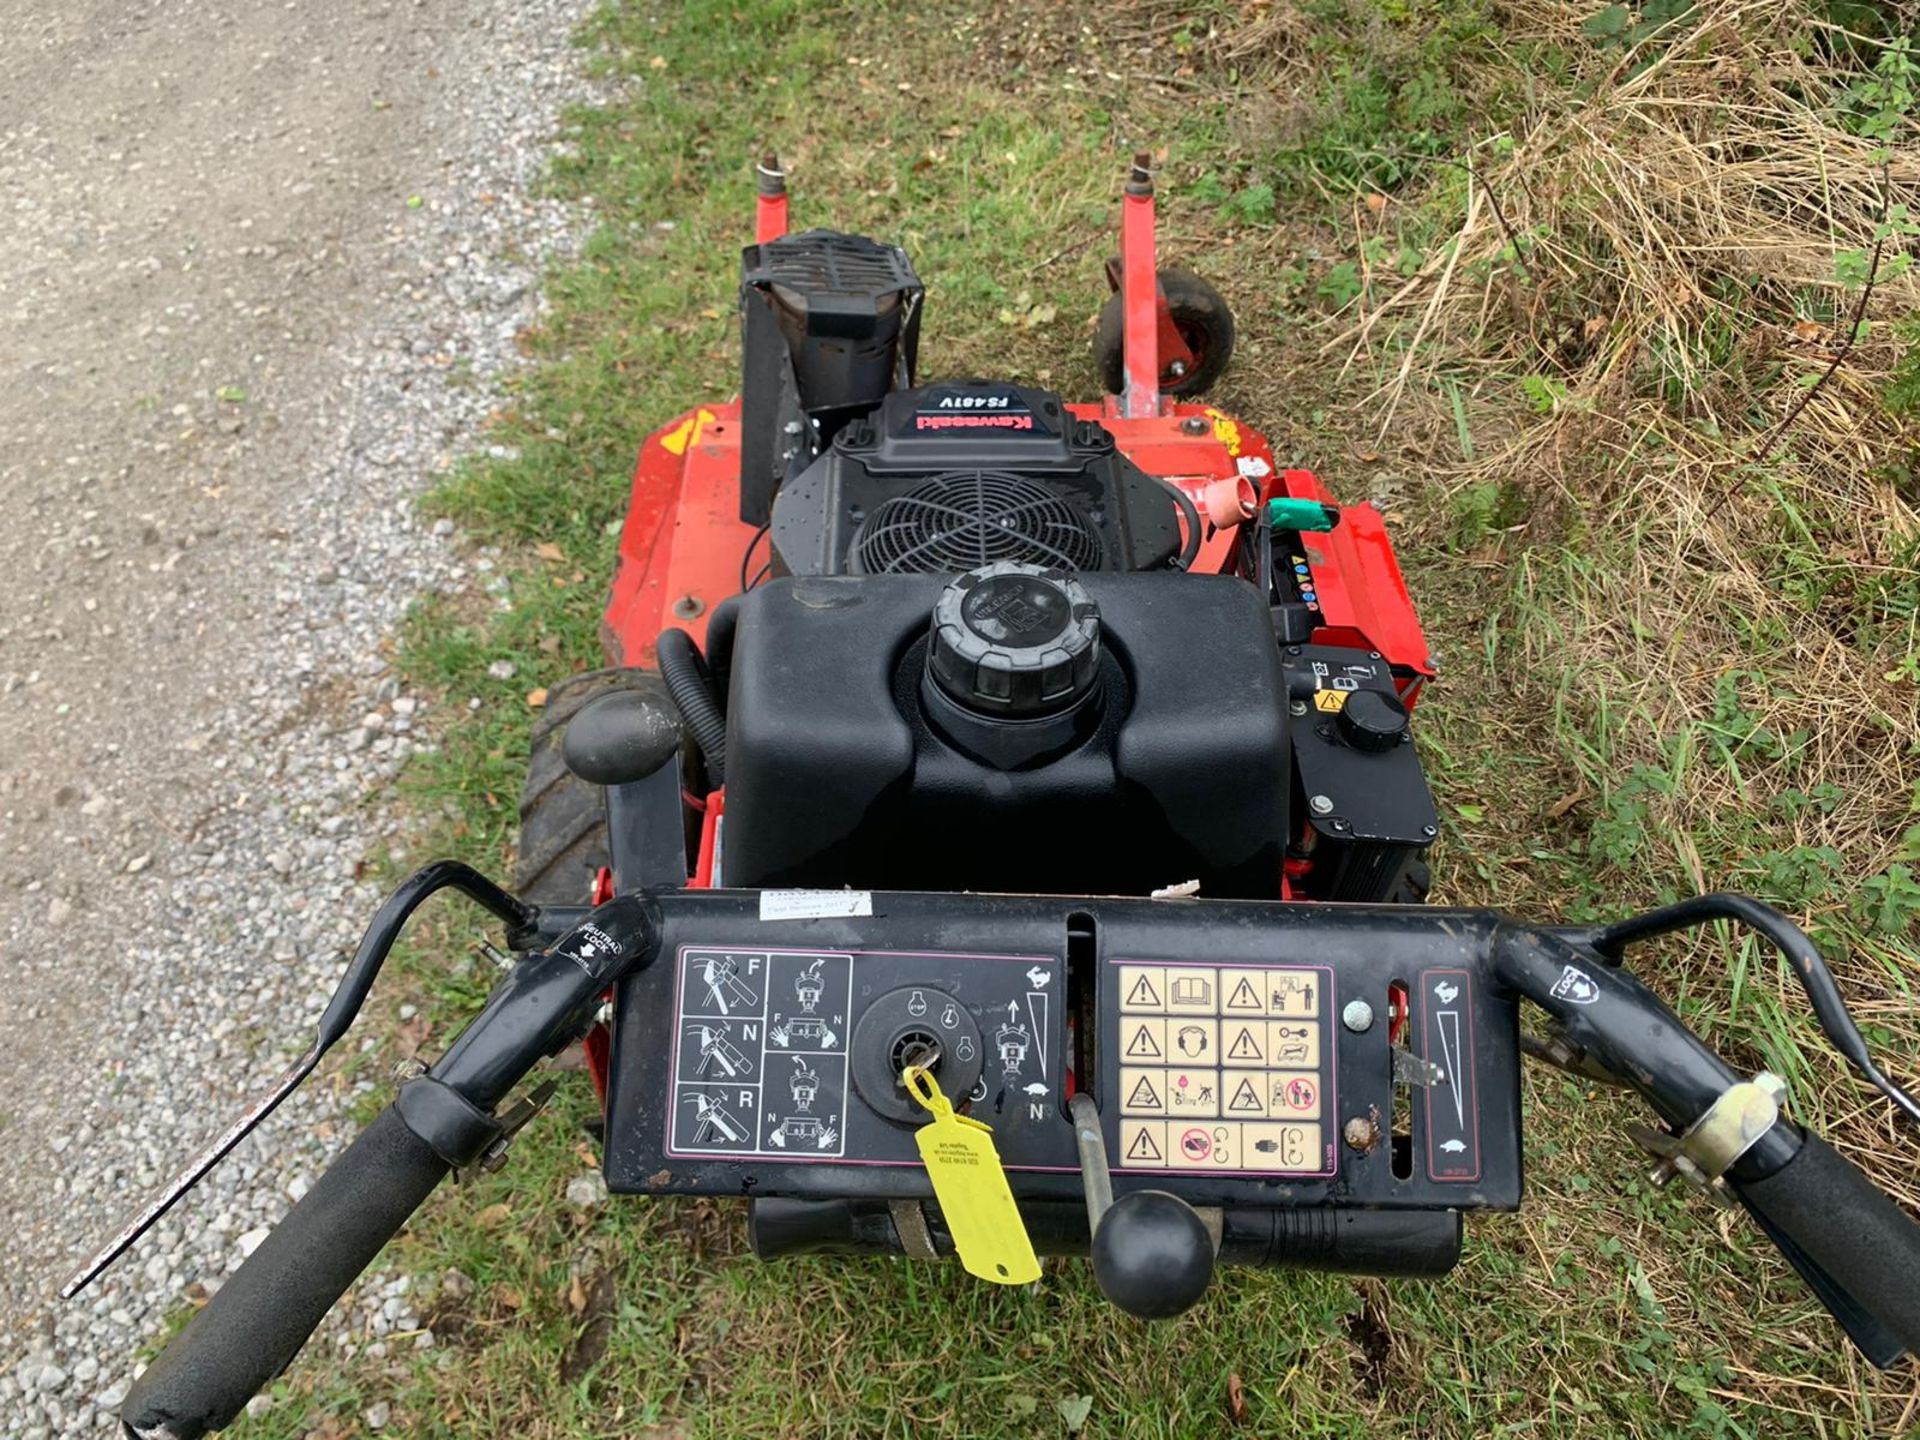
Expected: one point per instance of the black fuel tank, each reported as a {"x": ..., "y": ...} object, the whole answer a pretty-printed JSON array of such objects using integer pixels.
[{"x": 836, "y": 776}]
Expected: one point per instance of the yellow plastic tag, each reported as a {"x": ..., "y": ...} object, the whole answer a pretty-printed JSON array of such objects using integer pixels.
[{"x": 972, "y": 1189}]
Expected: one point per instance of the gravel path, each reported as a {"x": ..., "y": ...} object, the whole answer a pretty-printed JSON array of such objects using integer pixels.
[{"x": 258, "y": 263}]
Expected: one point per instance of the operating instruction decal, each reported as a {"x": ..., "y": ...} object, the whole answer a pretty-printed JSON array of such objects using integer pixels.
[
  {"x": 1225, "y": 1070},
  {"x": 770, "y": 1058},
  {"x": 1452, "y": 1106},
  {"x": 760, "y": 1054}
]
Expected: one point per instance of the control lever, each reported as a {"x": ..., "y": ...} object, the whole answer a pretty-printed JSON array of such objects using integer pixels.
[{"x": 1152, "y": 1254}]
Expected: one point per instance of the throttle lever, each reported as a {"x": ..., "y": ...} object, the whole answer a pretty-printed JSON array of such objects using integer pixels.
[{"x": 1152, "y": 1254}]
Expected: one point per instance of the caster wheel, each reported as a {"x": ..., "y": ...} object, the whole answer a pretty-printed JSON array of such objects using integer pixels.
[{"x": 1199, "y": 312}]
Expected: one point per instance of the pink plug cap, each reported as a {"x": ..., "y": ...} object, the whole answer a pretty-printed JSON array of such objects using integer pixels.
[{"x": 1229, "y": 502}]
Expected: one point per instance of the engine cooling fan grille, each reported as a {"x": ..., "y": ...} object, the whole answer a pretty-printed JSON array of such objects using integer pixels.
[{"x": 969, "y": 518}]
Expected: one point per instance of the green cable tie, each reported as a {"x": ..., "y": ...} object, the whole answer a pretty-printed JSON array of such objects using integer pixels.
[{"x": 1300, "y": 515}]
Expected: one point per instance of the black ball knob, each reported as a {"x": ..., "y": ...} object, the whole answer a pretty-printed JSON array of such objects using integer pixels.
[
  {"x": 620, "y": 738},
  {"x": 1152, "y": 1255},
  {"x": 1372, "y": 720}
]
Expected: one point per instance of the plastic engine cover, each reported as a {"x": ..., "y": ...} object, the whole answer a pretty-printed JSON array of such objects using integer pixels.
[{"x": 835, "y": 777}]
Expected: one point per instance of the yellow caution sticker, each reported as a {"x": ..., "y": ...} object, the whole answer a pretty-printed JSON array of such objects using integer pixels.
[
  {"x": 1329, "y": 700},
  {"x": 972, "y": 1189},
  {"x": 686, "y": 434}
]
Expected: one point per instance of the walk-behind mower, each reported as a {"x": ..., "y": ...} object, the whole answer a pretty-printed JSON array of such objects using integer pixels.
[{"x": 1001, "y": 834}]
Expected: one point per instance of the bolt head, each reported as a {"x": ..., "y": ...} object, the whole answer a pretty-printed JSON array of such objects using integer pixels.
[
  {"x": 687, "y": 607},
  {"x": 1320, "y": 804},
  {"x": 1193, "y": 424},
  {"x": 1357, "y": 1016},
  {"x": 1430, "y": 831},
  {"x": 1361, "y": 1134}
]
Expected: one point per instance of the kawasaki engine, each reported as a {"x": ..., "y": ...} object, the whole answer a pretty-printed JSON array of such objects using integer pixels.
[{"x": 952, "y": 476}]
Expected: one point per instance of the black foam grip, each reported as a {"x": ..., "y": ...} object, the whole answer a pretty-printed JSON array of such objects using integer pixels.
[
  {"x": 259, "y": 1319},
  {"x": 1352, "y": 1242},
  {"x": 1841, "y": 1221}
]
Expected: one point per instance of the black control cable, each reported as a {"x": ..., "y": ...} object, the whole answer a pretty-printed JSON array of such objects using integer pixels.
[
  {"x": 746, "y": 560},
  {"x": 1829, "y": 1007},
  {"x": 1191, "y": 550}
]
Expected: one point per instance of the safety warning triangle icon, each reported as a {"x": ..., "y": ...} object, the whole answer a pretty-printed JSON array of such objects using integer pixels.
[
  {"x": 1245, "y": 1046},
  {"x": 1144, "y": 1147},
  {"x": 1144, "y": 1096},
  {"x": 1245, "y": 1099},
  {"x": 1143, "y": 1045},
  {"x": 1244, "y": 996},
  {"x": 1144, "y": 994}
]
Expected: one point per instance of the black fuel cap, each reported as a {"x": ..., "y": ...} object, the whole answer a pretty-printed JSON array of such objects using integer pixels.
[
  {"x": 1372, "y": 720},
  {"x": 1015, "y": 640}
]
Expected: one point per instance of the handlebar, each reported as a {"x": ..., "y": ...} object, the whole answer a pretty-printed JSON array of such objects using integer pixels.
[
  {"x": 256, "y": 1322},
  {"x": 1824, "y": 1213},
  {"x": 1858, "y": 1250}
]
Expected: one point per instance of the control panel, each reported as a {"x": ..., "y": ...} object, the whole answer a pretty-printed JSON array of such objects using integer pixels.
[{"x": 1241, "y": 1053}]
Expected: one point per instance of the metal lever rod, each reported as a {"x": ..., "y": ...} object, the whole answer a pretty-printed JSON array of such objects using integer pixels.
[
  {"x": 1829, "y": 1007},
  {"x": 347, "y": 999},
  {"x": 191, "y": 1173},
  {"x": 1095, "y": 1175}
]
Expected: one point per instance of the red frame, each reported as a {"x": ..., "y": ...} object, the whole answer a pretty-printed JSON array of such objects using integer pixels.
[
  {"x": 1142, "y": 305},
  {"x": 684, "y": 545}
]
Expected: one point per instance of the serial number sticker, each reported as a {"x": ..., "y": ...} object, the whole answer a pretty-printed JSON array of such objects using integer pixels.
[{"x": 815, "y": 904}]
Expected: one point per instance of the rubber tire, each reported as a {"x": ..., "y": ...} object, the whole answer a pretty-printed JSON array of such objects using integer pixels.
[
  {"x": 1195, "y": 306},
  {"x": 1415, "y": 881},
  {"x": 563, "y": 822}
]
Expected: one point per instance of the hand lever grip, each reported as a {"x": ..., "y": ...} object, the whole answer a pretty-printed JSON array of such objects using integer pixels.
[
  {"x": 1152, "y": 1254},
  {"x": 1846, "y": 1226},
  {"x": 259, "y": 1319}
]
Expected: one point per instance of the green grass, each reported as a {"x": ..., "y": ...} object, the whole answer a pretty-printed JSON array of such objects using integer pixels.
[{"x": 1571, "y": 623}]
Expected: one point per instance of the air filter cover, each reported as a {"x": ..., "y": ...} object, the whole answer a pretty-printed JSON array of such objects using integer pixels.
[{"x": 964, "y": 473}]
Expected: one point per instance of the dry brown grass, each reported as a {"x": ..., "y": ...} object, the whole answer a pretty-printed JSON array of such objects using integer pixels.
[
  {"x": 1665, "y": 572},
  {"x": 1679, "y": 227}
]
